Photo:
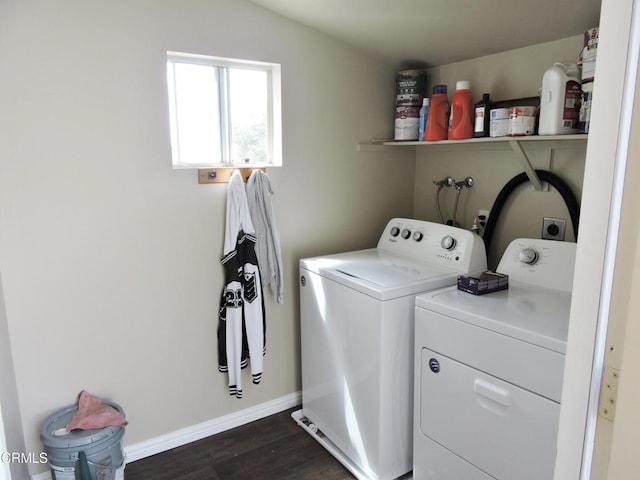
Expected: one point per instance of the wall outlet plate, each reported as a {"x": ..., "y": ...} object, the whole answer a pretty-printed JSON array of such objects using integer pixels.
[
  {"x": 481, "y": 221},
  {"x": 483, "y": 215},
  {"x": 553, "y": 228}
]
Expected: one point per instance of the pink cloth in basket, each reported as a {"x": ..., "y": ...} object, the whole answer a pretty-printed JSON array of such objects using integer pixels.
[{"x": 93, "y": 414}]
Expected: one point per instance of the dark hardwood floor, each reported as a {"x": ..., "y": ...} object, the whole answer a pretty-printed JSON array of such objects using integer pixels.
[{"x": 273, "y": 448}]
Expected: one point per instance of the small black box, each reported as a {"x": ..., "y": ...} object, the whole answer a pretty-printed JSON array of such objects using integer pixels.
[{"x": 487, "y": 282}]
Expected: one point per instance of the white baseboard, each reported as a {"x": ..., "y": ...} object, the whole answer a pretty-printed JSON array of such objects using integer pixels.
[
  {"x": 202, "y": 430},
  {"x": 211, "y": 427}
]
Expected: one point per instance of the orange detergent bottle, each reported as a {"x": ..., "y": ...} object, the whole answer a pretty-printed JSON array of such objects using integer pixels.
[
  {"x": 462, "y": 112},
  {"x": 438, "y": 118}
]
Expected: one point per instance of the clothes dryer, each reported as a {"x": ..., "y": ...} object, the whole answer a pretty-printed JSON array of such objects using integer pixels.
[
  {"x": 489, "y": 370},
  {"x": 357, "y": 336}
]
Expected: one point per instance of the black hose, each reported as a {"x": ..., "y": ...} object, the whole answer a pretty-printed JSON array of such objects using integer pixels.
[{"x": 563, "y": 189}]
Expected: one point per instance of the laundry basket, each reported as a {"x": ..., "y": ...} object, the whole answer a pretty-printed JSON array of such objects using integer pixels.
[{"x": 102, "y": 449}]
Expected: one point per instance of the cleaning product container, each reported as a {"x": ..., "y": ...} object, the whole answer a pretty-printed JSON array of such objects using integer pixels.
[
  {"x": 102, "y": 448},
  {"x": 560, "y": 100},
  {"x": 407, "y": 123},
  {"x": 424, "y": 114},
  {"x": 438, "y": 118},
  {"x": 588, "y": 55},
  {"x": 499, "y": 122},
  {"x": 585, "y": 107},
  {"x": 462, "y": 112},
  {"x": 522, "y": 121},
  {"x": 588, "y": 70},
  {"x": 482, "y": 116},
  {"x": 411, "y": 88}
]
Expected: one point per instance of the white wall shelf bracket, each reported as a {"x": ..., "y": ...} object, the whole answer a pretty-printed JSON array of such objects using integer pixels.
[{"x": 526, "y": 164}]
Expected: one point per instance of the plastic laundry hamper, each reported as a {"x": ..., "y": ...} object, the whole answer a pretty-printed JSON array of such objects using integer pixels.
[{"x": 82, "y": 454}]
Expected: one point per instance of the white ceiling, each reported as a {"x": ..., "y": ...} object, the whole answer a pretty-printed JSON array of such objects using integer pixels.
[{"x": 425, "y": 33}]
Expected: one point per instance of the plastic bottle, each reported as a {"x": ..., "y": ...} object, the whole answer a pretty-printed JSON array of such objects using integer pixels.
[
  {"x": 585, "y": 107},
  {"x": 482, "y": 116},
  {"x": 438, "y": 118},
  {"x": 424, "y": 113},
  {"x": 560, "y": 100},
  {"x": 462, "y": 112}
]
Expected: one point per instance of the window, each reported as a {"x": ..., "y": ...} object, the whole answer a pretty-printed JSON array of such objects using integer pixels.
[{"x": 223, "y": 112}]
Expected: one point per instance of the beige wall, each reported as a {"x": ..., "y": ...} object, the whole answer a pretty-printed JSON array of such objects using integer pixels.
[
  {"x": 508, "y": 75},
  {"x": 110, "y": 259}
]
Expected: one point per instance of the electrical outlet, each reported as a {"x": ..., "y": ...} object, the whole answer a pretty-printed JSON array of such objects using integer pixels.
[
  {"x": 553, "y": 228},
  {"x": 481, "y": 221}
]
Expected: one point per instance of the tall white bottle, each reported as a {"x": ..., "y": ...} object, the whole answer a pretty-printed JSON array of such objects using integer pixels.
[{"x": 560, "y": 100}]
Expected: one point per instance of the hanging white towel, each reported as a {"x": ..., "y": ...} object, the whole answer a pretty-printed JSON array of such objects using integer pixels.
[
  {"x": 238, "y": 216},
  {"x": 259, "y": 193}
]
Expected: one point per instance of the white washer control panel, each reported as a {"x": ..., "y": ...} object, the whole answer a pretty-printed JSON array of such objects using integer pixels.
[{"x": 434, "y": 242}]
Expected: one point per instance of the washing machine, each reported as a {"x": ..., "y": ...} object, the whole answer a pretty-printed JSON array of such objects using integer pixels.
[
  {"x": 357, "y": 336},
  {"x": 489, "y": 370}
]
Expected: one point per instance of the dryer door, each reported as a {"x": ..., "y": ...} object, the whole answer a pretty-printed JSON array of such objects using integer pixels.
[{"x": 503, "y": 430}]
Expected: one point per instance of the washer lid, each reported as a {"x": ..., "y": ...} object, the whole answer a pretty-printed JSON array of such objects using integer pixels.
[
  {"x": 383, "y": 274},
  {"x": 530, "y": 313},
  {"x": 380, "y": 274}
]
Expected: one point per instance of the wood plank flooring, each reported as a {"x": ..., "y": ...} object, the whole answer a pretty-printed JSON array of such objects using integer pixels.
[{"x": 273, "y": 448}]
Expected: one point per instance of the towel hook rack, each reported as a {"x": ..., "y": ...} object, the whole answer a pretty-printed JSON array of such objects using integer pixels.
[{"x": 223, "y": 174}]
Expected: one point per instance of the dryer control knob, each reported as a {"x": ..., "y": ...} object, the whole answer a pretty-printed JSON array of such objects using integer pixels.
[
  {"x": 528, "y": 256},
  {"x": 418, "y": 236},
  {"x": 406, "y": 233},
  {"x": 395, "y": 231},
  {"x": 448, "y": 242}
]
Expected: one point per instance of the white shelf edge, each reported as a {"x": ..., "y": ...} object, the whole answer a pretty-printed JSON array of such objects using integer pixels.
[
  {"x": 524, "y": 138},
  {"x": 370, "y": 147}
]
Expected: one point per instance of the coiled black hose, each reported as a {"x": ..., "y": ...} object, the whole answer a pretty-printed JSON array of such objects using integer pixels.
[{"x": 563, "y": 189}]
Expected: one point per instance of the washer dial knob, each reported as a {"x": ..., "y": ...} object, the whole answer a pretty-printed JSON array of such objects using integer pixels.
[
  {"x": 406, "y": 233},
  {"x": 528, "y": 256},
  {"x": 448, "y": 242},
  {"x": 395, "y": 231},
  {"x": 418, "y": 236}
]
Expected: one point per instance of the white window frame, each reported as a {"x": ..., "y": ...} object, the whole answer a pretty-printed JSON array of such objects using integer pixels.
[{"x": 274, "y": 109}]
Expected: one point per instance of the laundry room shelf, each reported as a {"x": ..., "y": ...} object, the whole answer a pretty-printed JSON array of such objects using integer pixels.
[
  {"x": 516, "y": 144},
  {"x": 523, "y": 139}
]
